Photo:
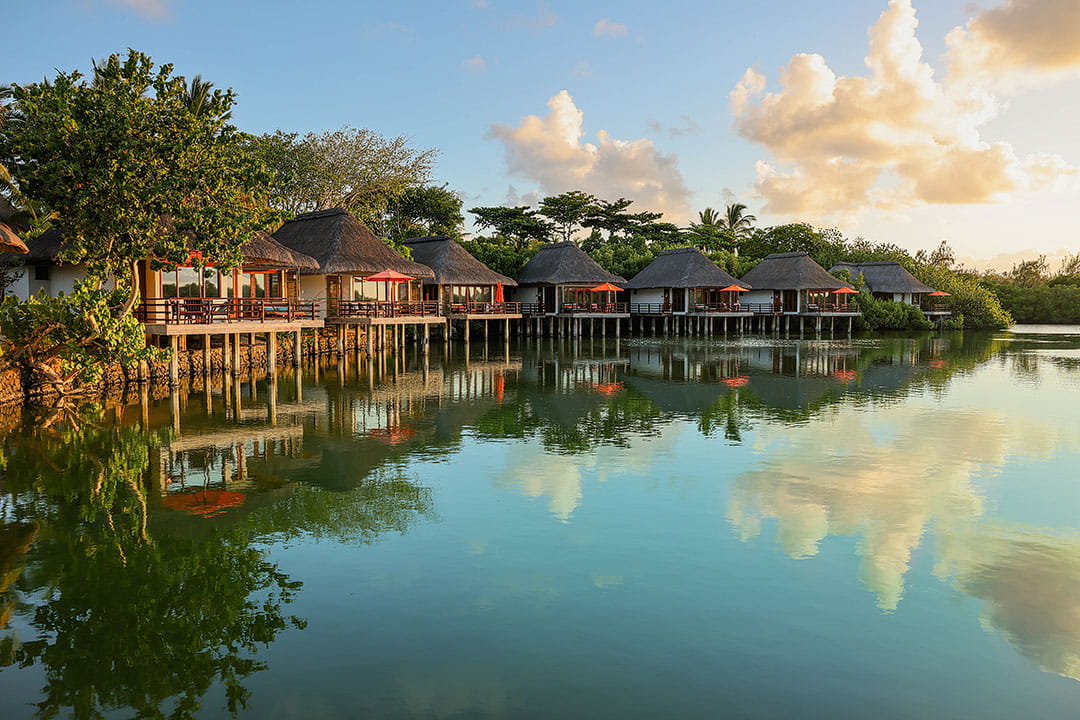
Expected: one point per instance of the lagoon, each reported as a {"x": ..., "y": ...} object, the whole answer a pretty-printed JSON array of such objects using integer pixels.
[{"x": 761, "y": 528}]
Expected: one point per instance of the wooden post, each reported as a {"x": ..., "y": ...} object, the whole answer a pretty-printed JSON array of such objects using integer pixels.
[
  {"x": 427, "y": 339},
  {"x": 236, "y": 355},
  {"x": 226, "y": 355},
  {"x": 271, "y": 353},
  {"x": 340, "y": 340},
  {"x": 298, "y": 347},
  {"x": 206, "y": 354},
  {"x": 174, "y": 363}
]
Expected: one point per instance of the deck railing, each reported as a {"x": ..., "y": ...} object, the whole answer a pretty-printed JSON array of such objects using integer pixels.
[
  {"x": 484, "y": 308},
  {"x": 207, "y": 311},
  {"x": 589, "y": 308},
  {"x": 937, "y": 308},
  {"x": 832, "y": 308},
  {"x": 382, "y": 309},
  {"x": 666, "y": 308}
]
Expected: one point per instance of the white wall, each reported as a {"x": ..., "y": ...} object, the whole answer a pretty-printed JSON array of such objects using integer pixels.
[
  {"x": 756, "y": 296},
  {"x": 313, "y": 287},
  {"x": 647, "y": 296},
  {"x": 62, "y": 278}
]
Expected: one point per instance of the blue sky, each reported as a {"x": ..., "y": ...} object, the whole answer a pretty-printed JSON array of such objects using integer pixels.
[{"x": 659, "y": 74}]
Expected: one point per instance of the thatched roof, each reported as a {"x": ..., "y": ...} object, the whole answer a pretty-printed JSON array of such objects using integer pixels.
[
  {"x": 11, "y": 242},
  {"x": 682, "y": 268},
  {"x": 791, "y": 271},
  {"x": 885, "y": 277},
  {"x": 263, "y": 250},
  {"x": 341, "y": 244},
  {"x": 564, "y": 263},
  {"x": 453, "y": 265},
  {"x": 45, "y": 247}
]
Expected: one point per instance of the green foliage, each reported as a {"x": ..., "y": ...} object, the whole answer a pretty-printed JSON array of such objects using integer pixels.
[
  {"x": 424, "y": 210},
  {"x": 568, "y": 211},
  {"x": 889, "y": 315},
  {"x": 131, "y": 171},
  {"x": 499, "y": 255},
  {"x": 979, "y": 307},
  {"x": 1052, "y": 303},
  {"x": 65, "y": 338},
  {"x": 355, "y": 169},
  {"x": 518, "y": 226}
]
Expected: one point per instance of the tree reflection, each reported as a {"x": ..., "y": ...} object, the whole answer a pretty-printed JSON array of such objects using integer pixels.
[{"x": 123, "y": 619}]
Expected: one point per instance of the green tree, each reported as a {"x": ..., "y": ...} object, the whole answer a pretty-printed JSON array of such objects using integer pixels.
[
  {"x": 710, "y": 234},
  {"x": 131, "y": 174},
  {"x": 737, "y": 221},
  {"x": 424, "y": 210},
  {"x": 520, "y": 226},
  {"x": 352, "y": 168},
  {"x": 567, "y": 211}
]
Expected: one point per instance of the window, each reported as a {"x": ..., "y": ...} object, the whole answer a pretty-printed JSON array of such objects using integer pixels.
[{"x": 41, "y": 272}]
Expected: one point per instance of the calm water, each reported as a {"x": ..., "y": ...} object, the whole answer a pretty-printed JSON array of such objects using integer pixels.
[{"x": 762, "y": 528}]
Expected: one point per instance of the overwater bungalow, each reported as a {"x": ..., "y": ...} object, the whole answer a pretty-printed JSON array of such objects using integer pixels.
[
  {"x": 891, "y": 281},
  {"x": 562, "y": 280},
  {"x": 463, "y": 285},
  {"x": 359, "y": 277},
  {"x": 682, "y": 281},
  {"x": 793, "y": 284}
]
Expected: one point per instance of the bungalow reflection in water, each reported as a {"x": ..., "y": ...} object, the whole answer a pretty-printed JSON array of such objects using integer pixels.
[{"x": 198, "y": 486}]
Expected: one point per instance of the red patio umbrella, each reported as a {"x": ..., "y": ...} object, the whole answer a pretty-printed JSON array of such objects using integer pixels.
[{"x": 389, "y": 276}]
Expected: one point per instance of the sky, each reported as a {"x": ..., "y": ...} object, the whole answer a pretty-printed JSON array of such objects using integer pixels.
[{"x": 903, "y": 121}]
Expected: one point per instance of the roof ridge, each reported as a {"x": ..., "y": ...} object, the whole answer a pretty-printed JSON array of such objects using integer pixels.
[{"x": 315, "y": 214}]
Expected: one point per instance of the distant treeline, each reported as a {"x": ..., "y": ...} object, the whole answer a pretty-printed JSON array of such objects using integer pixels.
[
  {"x": 1032, "y": 293},
  {"x": 624, "y": 242}
]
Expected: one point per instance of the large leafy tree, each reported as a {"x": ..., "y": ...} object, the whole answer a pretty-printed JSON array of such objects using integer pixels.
[
  {"x": 133, "y": 169},
  {"x": 352, "y": 168},
  {"x": 520, "y": 226},
  {"x": 568, "y": 211},
  {"x": 424, "y": 210}
]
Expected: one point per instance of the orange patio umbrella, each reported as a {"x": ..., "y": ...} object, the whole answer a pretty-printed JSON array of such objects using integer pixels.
[
  {"x": 605, "y": 287},
  {"x": 845, "y": 291},
  {"x": 938, "y": 293},
  {"x": 389, "y": 276},
  {"x": 204, "y": 502},
  {"x": 499, "y": 292},
  {"x": 733, "y": 288}
]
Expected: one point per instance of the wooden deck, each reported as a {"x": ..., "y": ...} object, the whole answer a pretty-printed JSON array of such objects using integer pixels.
[{"x": 228, "y": 328}]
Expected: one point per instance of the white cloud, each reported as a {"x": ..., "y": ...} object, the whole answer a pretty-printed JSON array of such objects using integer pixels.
[
  {"x": 515, "y": 199},
  {"x": 607, "y": 28},
  {"x": 1016, "y": 39},
  {"x": 475, "y": 64},
  {"x": 895, "y": 138},
  {"x": 149, "y": 9},
  {"x": 549, "y": 150}
]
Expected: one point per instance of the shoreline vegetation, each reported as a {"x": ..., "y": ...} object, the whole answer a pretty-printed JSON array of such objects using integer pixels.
[{"x": 132, "y": 162}]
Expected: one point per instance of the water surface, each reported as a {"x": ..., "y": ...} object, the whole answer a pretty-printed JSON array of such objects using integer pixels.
[{"x": 759, "y": 528}]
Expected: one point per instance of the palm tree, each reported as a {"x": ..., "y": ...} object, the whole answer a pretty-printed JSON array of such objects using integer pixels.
[
  {"x": 708, "y": 216},
  {"x": 737, "y": 221}
]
